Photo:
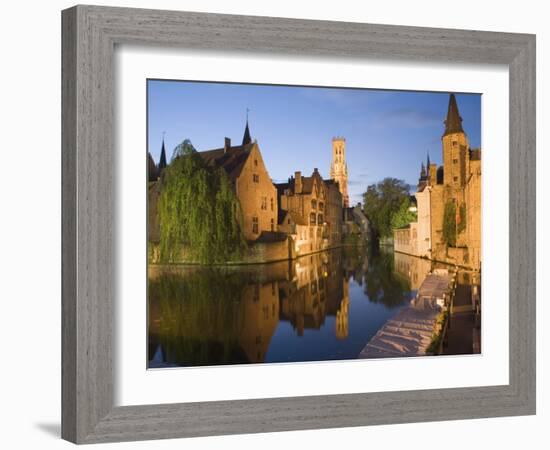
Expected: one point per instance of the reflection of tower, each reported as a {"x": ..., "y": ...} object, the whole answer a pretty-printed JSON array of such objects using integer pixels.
[
  {"x": 339, "y": 168},
  {"x": 342, "y": 315}
]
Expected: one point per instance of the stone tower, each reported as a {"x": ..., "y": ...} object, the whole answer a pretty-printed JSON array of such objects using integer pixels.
[
  {"x": 455, "y": 149},
  {"x": 339, "y": 168}
]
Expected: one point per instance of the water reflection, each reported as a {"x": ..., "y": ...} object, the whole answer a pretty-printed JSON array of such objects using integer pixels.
[{"x": 319, "y": 307}]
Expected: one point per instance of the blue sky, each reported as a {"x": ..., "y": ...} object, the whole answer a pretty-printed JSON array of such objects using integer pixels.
[{"x": 388, "y": 133}]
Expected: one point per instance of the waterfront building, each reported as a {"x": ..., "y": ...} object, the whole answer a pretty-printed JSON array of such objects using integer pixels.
[
  {"x": 339, "y": 168},
  {"x": 250, "y": 178},
  {"x": 456, "y": 183},
  {"x": 311, "y": 211}
]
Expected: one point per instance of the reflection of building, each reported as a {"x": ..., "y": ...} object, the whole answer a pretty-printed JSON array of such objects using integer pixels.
[
  {"x": 260, "y": 313},
  {"x": 449, "y": 202},
  {"x": 342, "y": 315},
  {"x": 315, "y": 290},
  {"x": 413, "y": 269},
  {"x": 339, "y": 168}
]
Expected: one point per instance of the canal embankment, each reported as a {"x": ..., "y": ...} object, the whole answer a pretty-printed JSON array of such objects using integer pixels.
[{"x": 417, "y": 329}]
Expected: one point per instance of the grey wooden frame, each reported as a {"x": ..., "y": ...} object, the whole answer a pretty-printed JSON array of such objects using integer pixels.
[{"x": 89, "y": 37}]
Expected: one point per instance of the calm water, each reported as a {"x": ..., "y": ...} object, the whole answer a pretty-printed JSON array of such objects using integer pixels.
[{"x": 325, "y": 306}]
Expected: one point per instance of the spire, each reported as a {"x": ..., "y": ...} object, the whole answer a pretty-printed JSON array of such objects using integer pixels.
[
  {"x": 422, "y": 172},
  {"x": 453, "y": 124},
  {"x": 162, "y": 160},
  {"x": 246, "y": 138},
  {"x": 428, "y": 160}
]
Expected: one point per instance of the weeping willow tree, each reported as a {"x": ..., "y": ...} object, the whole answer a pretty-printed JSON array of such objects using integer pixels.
[{"x": 198, "y": 211}]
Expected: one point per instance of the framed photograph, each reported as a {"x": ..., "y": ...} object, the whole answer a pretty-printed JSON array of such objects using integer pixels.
[{"x": 278, "y": 224}]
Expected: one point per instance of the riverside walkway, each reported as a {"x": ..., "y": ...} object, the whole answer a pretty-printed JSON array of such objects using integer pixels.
[{"x": 410, "y": 332}]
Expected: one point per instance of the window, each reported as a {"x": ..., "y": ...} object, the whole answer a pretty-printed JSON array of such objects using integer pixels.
[
  {"x": 455, "y": 143},
  {"x": 455, "y": 161},
  {"x": 255, "y": 225},
  {"x": 255, "y": 163},
  {"x": 313, "y": 204},
  {"x": 321, "y": 206},
  {"x": 320, "y": 219},
  {"x": 271, "y": 203},
  {"x": 312, "y": 219},
  {"x": 264, "y": 203},
  {"x": 255, "y": 178},
  {"x": 455, "y": 178},
  {"x": 272, "y": 225}
]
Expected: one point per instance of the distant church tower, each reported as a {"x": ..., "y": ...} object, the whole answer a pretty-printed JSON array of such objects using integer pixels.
[{"x": 339, "y": 168}]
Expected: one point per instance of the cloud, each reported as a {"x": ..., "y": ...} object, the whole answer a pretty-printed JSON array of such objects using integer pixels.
[{"x": 407, "y": 117}]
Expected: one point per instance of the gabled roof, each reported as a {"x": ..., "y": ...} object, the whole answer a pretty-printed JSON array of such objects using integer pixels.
[
  {"x": 295, "y": 217},
  {"x": 231, "y": 159},
  {"x": 453, "y": 123},
  {"x": 307, "y": 184}
]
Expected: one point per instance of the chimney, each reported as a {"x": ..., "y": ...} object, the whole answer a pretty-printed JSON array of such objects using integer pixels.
[
  {"x": 298, "y": 182},
  {"x": 226, "y": 144}
]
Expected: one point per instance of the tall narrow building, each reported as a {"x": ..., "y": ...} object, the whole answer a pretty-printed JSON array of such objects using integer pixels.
[
  {"x": 455, "y": 149},
  {"x": 339, "y": 168}
]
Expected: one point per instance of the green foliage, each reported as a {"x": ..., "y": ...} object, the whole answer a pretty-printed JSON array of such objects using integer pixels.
[
  {"x": 436, "y": 338},
  {"x": 462, "y": 213},
  {"x": 382, "y": 201},
  {"x": 382, "y": 283},
  {"x": 198, "y": 211},
  {"x": 449, "y": 224},
  {"x": 403, "y": 216}
]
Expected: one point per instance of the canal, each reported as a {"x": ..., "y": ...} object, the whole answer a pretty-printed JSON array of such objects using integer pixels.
[{"x": 324, "y": 306}]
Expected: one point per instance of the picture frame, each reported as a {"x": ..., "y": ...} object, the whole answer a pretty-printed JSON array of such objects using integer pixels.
[{"x": 89, "y": 37}]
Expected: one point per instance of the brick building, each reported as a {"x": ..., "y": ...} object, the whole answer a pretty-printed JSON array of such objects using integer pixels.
[{"x": 456, "y": 182}]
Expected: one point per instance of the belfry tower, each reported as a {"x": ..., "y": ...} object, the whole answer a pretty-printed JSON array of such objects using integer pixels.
[{"x": 339, "y": 168}]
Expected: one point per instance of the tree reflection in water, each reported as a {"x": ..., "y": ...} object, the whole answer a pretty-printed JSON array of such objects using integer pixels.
[{"x": 322, "y": 306}]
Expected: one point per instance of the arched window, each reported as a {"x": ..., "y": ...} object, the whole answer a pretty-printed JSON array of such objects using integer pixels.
[{"x": 312, "y": 219}]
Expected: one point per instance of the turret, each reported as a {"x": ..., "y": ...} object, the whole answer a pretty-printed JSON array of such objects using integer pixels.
[{"x": 455, "y": 148}]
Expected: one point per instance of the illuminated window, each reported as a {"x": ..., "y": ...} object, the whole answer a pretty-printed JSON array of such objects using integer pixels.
[{"x": 255, "y": 225}]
